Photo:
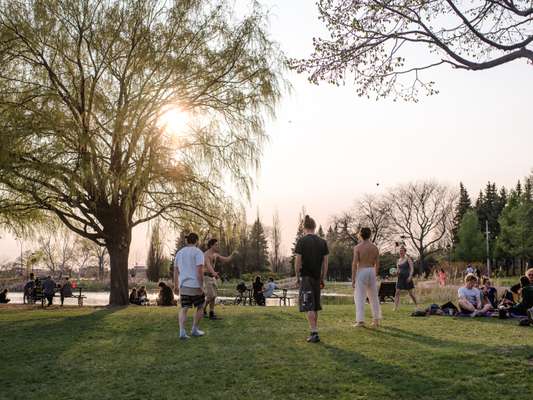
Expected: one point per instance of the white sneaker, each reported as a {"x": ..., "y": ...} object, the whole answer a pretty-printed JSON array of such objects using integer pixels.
[
  {"x": 184, "y": 336},
  {"x": 197, "y": 333}
]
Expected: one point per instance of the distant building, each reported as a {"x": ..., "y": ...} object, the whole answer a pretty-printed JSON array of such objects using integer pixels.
[
  {"x": 90, "y": 272},
  {"x": 139, "y": 272}
]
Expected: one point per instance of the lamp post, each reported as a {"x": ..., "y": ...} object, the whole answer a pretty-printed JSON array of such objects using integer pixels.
[{"x": 487, "y": 242}]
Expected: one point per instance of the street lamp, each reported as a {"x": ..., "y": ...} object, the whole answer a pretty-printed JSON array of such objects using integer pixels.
[{"x": 487, "y": 242}]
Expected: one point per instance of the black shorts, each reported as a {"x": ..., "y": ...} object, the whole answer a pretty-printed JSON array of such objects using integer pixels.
[
  {"x": 190, "y": 301},
  {"x": 309, "y": 296}
]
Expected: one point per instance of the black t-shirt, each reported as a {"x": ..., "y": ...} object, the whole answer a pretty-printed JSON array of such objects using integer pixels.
[
  {"x": 312, "y": 248},
  {"x": 258, "y": 287}
]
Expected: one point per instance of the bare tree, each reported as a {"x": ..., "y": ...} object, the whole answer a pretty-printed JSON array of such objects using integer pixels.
[
  {"x": 58, "y": 248},
  {"x": 378, "y": 40},
  {"x": 368, "y": 211},
  {"x": 422, "y": 214}
]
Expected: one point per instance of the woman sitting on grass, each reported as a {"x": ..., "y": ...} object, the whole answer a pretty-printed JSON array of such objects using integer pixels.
[
  {"x": 142, "y": 295},
  {"x": 526, "y": 293},
  {"x": 134, "y": 299},
  {"x": 489, "y": 293},
  {"x": 470, "y": 298}
]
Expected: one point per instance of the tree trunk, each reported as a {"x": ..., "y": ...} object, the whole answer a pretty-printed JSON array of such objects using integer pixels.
[{"x": 118, "y": 260}]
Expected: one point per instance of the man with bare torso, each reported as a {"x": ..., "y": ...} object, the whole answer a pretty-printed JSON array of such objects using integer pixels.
[
  {"x": 210, "y": 275},
  {"x": 365, "y": 268}
]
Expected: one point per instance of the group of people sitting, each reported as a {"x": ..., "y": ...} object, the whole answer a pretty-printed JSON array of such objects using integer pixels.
[
  {"x": 260, "y": 291},
  {"x": 477, "y": 298},
  {"x": 164, "y": 298},
  {"x": 35, "y": 288}
]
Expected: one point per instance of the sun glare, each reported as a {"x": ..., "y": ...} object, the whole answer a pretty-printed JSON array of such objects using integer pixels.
[{"x": 174, "y": 121}]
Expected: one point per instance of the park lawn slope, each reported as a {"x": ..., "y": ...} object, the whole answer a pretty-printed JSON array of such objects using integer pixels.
[{"x": 259, "y": 353}]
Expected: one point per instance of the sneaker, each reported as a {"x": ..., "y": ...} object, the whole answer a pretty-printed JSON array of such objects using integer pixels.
[
  {"x": 197, "y": 333},
  {"x": 184, "y": 337},
  {"x": 314, "y": 338},
  {"x": 359, "y": 324}
]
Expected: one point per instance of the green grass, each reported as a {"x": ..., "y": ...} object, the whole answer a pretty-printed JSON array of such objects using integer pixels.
[{"x": 259, "y": 353}]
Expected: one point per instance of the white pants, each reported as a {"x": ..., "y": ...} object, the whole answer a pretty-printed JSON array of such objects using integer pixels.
[{"x": 366, "y": 286}]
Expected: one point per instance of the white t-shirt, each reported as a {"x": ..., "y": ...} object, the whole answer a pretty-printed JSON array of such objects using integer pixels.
[
  {"x": 269, "y": 289},
  {"x": 187, "y": 261},
  {"x": 472, "y": 295}
]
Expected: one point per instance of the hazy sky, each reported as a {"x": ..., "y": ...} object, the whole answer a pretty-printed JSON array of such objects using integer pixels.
[{"x": 328, "y": 146}]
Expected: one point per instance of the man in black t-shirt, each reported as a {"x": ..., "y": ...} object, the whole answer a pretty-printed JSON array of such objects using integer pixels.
[{"x": 311, "y": 265}]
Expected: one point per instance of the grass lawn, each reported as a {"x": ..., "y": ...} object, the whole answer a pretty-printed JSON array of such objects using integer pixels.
[{"x": 259, "y": 353}]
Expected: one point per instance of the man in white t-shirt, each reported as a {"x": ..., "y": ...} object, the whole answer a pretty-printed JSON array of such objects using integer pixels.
[
  {"x": 269, "y": 288},
  {"x": 188, "y": 283},
  {"x": 470, "y": 298}
]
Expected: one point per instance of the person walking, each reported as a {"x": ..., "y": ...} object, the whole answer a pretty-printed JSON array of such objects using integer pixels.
[
  {"x": 365, "y": 268},
  {"x": 311, "y": 265},
  {"x": 49, "y": 288},
  {"x": 442, "y": 277},
  {"x": 405, "y": 269},
  {"x": 189, "y": 283},
  {"x": 211, "y": 256}
]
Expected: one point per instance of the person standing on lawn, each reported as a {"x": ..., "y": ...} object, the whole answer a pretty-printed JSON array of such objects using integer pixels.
[
  {"x": 188, "y": 284},
  {"x": 405, "y": 269},
  {"x": 212, "y": 255},
  {"x": 365, "y": 268},
  {"x": 311, "y": 264}
]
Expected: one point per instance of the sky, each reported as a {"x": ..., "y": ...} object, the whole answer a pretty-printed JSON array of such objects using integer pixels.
[{"x": 328, "y": 147}]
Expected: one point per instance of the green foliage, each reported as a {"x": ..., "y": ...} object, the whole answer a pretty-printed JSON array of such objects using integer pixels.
[
  {"x": 340, "y": 254},
  {"x": 463, "y": 205},
  {"x": 83, "y": 89},
  {"x": 471, "y": 243},
  {"x": 516, "y": 221},
  {"x": 258, "y": 247},
  {"x": 156, "y": 263}
]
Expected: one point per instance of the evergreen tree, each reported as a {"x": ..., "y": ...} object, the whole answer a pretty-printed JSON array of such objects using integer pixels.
[
  {"x": 321, "y": 232},
  {"x": 470, "y": 246},
  {"x": 258, "y": 246},
  {"x": 464, "y": 204},
  {"x": 155, "y": 261},
  {"x": 516, "y": 237},
  {"x": 489, "y": 207},
  {"x": 299, "y": 235}
]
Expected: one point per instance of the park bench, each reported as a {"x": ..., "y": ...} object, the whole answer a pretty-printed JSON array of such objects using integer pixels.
[
  {"x": 387, "y": 290},
  {"x": 39, "y": 296},
  {"x": 283, "y": 298}
]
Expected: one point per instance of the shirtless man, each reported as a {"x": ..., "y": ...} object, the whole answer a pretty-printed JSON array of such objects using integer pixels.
[
  {"x": 365, "y": 268},
  {"x": 210, "y": 275}
]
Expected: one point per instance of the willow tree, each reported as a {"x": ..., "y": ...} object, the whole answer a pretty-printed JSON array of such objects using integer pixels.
[
  {"x": 84, "y": 88},
  {"x": 387, "y": 44}
]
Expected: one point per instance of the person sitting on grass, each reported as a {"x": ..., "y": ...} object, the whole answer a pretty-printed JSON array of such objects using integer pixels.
[
  {"x": 470, "y": 298},
  {"x": 489, "y": 293},
  {"x": 526, "y": 302},
  {"x": 134, "y": 298},
  {"x": 166, "y": 296},
  {"x": 142, "y": 295},
  {"x": 3, "y": 297}
]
